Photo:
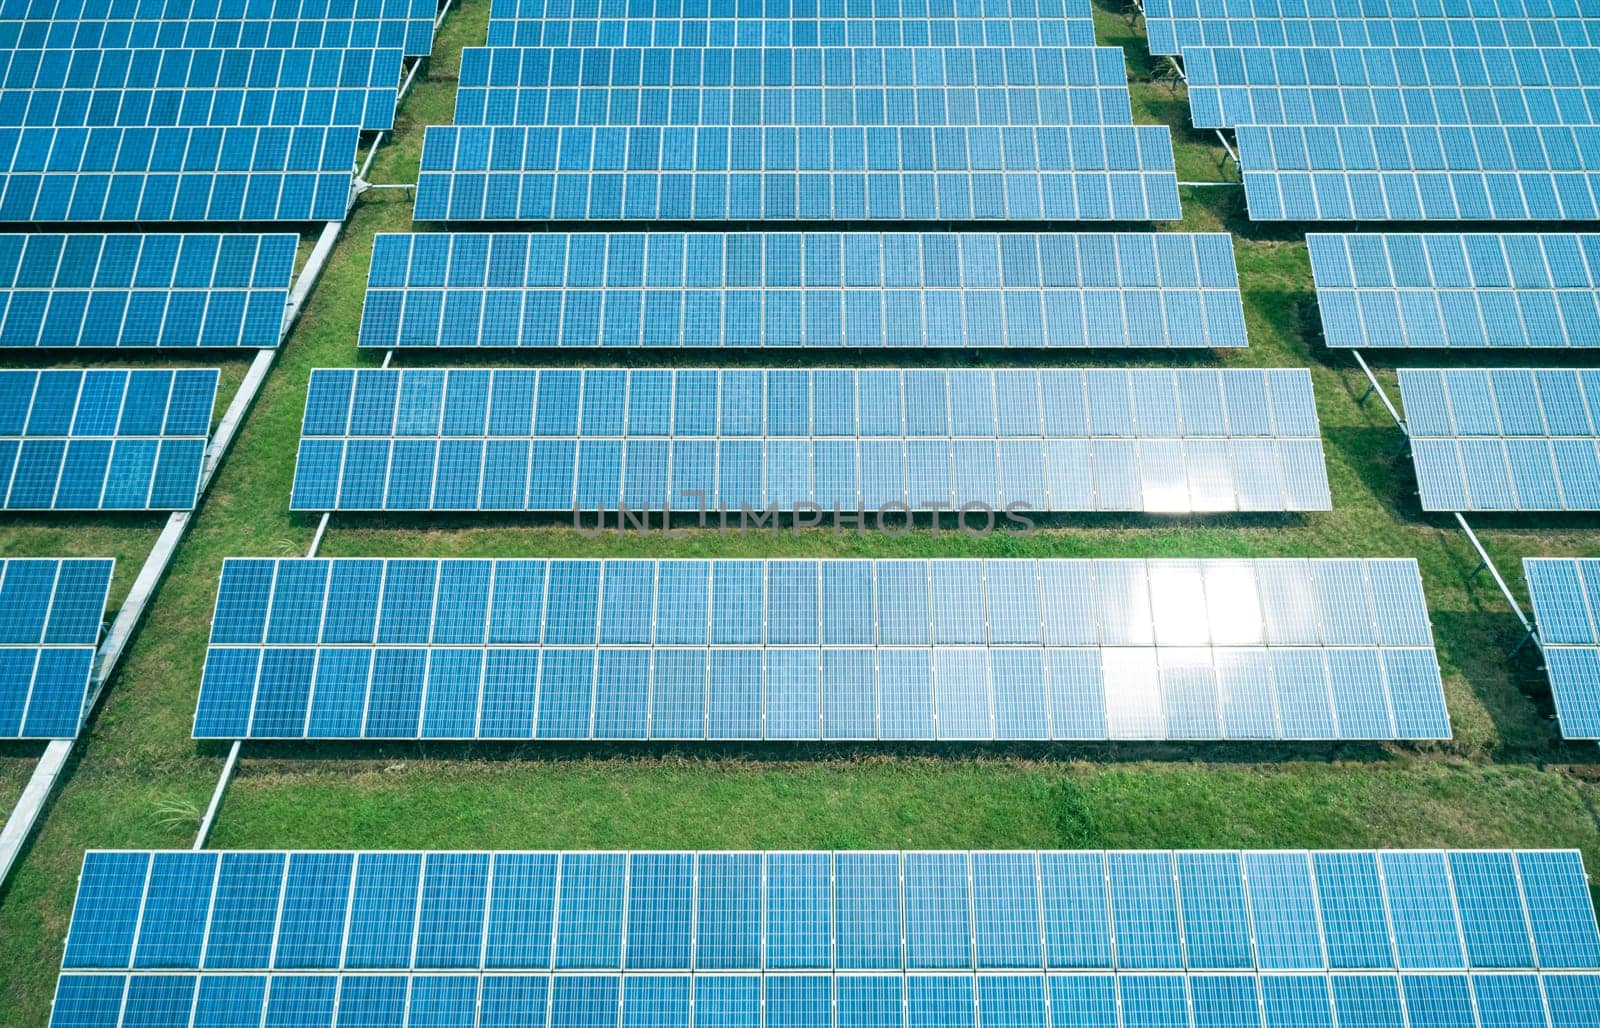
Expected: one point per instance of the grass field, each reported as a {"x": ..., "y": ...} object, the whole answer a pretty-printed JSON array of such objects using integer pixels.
[{"x": 140, "y": 780}]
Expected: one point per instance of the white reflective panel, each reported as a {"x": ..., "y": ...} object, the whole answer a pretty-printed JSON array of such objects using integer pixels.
[
  {"x": 1133, "y": 694},
  {"x": 1234, "y": 604},
  {"x": 1178, "y": 603},
  {"x": 1163, "y": 477}
]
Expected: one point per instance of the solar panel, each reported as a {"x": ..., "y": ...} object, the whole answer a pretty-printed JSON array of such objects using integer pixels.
[
  {"x": 876, "y": 23},
  {"x": 566, "y": 440},
  {"x": 743, "y": 31},
  {"x": 1379, "y": 86},
  {"x": 89, "y": 290},
  {"x": 1449, "y": 173},
  {"x": 164, "y": 24},
  {"x": 789, "y": 86},
  {"x": 1121, "y": 173},
  {"x": 835, "y": 649},
  {"x": 673, "y": 289},
  {"x": 217, "y": 87},
  {"x": 49, "y": 625},
  {"x": 176, "y": 174},
  {"x": 1457, "y": 291},
  {"x": 1566, "y": 594},
  {"x": 103, "y": 440},
  {"x": 1512, "y": 439},
  {"x": 792, "y": 938}
]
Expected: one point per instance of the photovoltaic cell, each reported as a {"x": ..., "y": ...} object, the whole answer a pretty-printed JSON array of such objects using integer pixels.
[
  {"x": 231, "y": 24},
  {"x": 50, "y": 614},
  {"x": 1458, "y": 290},
  {"x": 191, "y": 87},
  {"x": 87, "y": 290},
  {"x": 558, "y": 440},
  {"x": 146, "y": 923},
  {"x": 1068, "y": 649},
  {"x": 793, "y": 86},
  {"x": 103, "y": 440},
  {"x": 1513, "y": 439},
  {"x": 1420, "y": 173},
  {"x": 1231, "y": 86},
  {"x": 827, "y": 289},
  {"x": 176, "y": 174},
  {"x": 784, "y": 173},
  {"x": 1565, "y": 593}
]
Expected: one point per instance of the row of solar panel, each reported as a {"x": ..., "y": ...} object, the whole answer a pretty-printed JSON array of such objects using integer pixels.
[
  {"x": 787, "y": 196},
  {"x": 1501, "y": 402},
  {"x": 73, "y": 70},
  {"x": 187, "y": 10},
  {"x": 1229, "y": 106},
  {"x": 1515, "y": 10},
  {"x": 662, "y": 67},
  {"x": 786, "y": 911},
  {"x": 367, "y": 108},
  {"x": 979, "y": 478},
  {"x": 790, "y": 10},
  {"x": 1452, "y": 290},
  {"x": 413, "y": 36},
  {"x": 49, "y": 624},
  {"x": 103, "y": 439},
  {"x": 851, "y": 1001},
  {"x": 131, "y": 290},
  {"x": 803, "y": 31},
  {"x": 1507, "y": 474},
  {"x": 789, "y": 289},
  {"x": 854, "y": 105},
  {"x": 791, "y": 694},
  {"x": 1397, "y": 67},
  {"x": 1173, "y": 35},
  {"x": 1564, "y": 598},
  {"x": 1490, "y": 148},
  {"x": 1368, "y": 195},
  {"x": 966, "y": 402},
  {"x": 837, "y": 602}
]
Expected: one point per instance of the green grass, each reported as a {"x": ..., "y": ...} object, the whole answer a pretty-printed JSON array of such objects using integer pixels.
[{"x": 139, "y": 780}]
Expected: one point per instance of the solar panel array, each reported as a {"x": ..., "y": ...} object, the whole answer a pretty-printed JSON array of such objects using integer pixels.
[
  {"x": 785, "y": 86},
  {"x": 88, "y": 290},
  {"x": 953, "y": 173},
  {"x": 49, "y": 625},
  {"x": 199, "y": 87},
  {"x": 231, "y": 24},
  {"x": 567, "y": 440},
  {"x": 103, "y": 440},
  {"x": 1457, "y": 291},
  {"x": 1421, "y": 173},
  {"x": 809, "y": 939},
  {"x": 1375, "y": 86},
  {"x": 806, "y": 649},
  {"x": 827, "y": 289},
  {"x": 1176, "y": 25},
  {"x": 1504, "y": 439},
  {"x": 176, "y": 174},
  {"x": 1566, "y": 599},
  {"x": 1053, "y": 23}
]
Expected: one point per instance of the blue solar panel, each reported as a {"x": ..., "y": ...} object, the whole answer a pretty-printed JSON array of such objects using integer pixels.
[
  {"x": 1069, "y": 649},
  {"x": 1458, "y": 291},
  {"x": 880, "y": 23},
  {"x": 231, "y": 24},
  {"x": 87, "y": 290},
  {"x": 189, "y": 87},
  {"x": 561, "y": 440},
  {"x": 1564, "y": 594},
  {"x": 1119, "y": 173},
  {"x": 103, "y": 440},
  {"x": 49, "y": 624},
  {"x": 828, "y": 289},
  {"x": 147, "y": 925},
  {"x": 785, "y": 86},
  {"x": 1176, "y": 25},
  {"x": 176, "y": 174},
  {"x": 1420, "y": 173},
  {"x": 1514, "y": 439},
  {"x": 1378, "y": 86}
]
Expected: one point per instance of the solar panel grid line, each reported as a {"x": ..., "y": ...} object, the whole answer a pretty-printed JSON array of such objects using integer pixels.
[
  {"x": 859, "y": 289},
  {"x": 45, "y": 672},
  {"x": 1172, "y": 36},
  {"x": 634, "y": 32},
  {"x": 413, "y": 36},
  {"x": 783, "y": 10}
]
